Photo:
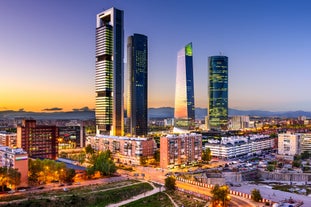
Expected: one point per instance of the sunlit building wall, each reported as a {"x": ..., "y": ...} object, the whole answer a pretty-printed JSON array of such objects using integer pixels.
[
  {"x": 137, "y": 107},
  {"x": 109, "y": 72},
  {"x": 184, "y": 113},
  {"x": 218, "y": 92}
]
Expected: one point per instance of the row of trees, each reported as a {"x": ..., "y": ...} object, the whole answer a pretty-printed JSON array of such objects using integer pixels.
[
  {"x": 9, "y": 176},
  {"x": 46, "y": 171}
]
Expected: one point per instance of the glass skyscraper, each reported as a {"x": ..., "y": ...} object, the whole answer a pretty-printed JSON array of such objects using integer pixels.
[
  {"x": 184, "y": 113},
  {"x": 109, "y": 72},
  {"x": 137, "y": 106},
  {"x": 218, "y": 92}
]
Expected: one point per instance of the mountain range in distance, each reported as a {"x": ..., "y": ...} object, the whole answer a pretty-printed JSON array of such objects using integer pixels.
[{"x": 153, "y": 113}]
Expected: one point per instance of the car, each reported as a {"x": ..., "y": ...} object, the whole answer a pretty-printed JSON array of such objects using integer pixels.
[
  {"x": 11, "y": 191},
  {"x": 22, "y": 190},
  {"x": 65, "y": 189}
]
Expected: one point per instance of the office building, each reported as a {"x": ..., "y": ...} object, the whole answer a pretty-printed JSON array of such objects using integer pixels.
[
  {"x": 184, "y": 113},
  {"x": 8, "y": 139},
  {"x": 182, "y": 149},
  {"x": 126, "y": 150},
  {"x": 38, "y": 141},
  {"x": 218, "y": 92},
  {"x": 137, "y": 106},
  {"x": 15, "y": 158},
  {"x": 109, "y": 72}
]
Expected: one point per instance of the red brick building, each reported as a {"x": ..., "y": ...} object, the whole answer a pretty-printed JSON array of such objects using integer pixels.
[
  {"x": 127, "y": 150},
  {"x": 180, "y": 149}
]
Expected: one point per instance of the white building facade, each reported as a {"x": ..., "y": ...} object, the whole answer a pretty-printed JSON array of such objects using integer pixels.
[{"x": 230, "y": 147}]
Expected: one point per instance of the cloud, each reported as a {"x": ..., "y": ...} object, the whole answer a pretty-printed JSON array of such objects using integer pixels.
[
  {"x": 53, "y": 109},
  {"x": 82, "y": 109}
]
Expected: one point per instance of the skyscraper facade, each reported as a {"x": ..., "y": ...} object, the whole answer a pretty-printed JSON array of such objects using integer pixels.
[
  {"x": 218, "y": 92},
  {"x": 109, "y": 72},
  {"x": 184, "y": 113},
  {"x": 137, "y": 106}
]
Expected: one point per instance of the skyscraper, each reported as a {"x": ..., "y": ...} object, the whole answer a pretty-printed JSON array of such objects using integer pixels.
[
  {"x": 184, "y": 113},
  {"x": 109, "y": 72},
  {"x": 137, "y": 107},
  {"x": 218, "y": 92}
]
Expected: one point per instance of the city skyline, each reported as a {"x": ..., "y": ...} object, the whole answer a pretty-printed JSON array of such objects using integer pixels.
[{"x": 48, "y": 60}]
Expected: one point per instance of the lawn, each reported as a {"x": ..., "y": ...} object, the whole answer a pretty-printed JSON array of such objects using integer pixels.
[
  {"x": 95, "y": 196},
  {"x": 158, "y": 199}
]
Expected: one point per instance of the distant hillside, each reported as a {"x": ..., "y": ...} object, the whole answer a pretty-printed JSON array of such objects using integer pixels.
[
  {"x": 154, "y": 113},
  {"x": 81, "y": 115}
]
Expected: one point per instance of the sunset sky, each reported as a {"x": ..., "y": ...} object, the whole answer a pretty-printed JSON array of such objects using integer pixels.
[{"x": 47, "y": 50}]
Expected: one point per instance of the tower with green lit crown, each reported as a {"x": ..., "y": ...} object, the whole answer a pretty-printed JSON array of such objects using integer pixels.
[
  {"x": 184, "y": 114},
  {"x": 218, "y": 92},
  {"x": 109, "y": 72}
]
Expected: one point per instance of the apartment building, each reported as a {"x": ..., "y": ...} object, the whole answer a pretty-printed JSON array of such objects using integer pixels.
[
  {"x": 229, "y": 147},
  {"x": 126, "y": 150},
  {"x": 180, "y": 149},
  {"x": 8, "y": 139},
  {"x": 15, "y": 158}
]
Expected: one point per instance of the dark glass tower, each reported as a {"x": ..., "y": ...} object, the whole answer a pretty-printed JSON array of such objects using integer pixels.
[
  {"x": 109, "y": 72},
  {"x": 137, "y": 107},
  {"x": 184, "y": 113},
  {"x": 218, "y": 92}
]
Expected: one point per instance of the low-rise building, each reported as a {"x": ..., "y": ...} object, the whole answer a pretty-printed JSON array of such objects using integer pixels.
[
  {"x": 127, "y": 150},
  {"x": 15, "y": 158},
  {"x": 180, "y": 149},
  {"x": 229, "y": 147}
]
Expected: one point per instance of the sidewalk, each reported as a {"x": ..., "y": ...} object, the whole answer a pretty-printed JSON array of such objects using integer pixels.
[{"x": 143, "y": 195}]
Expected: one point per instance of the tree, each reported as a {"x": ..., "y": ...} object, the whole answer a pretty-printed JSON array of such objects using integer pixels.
[
  {"x": 296, "y": 163},
  {"x": 67, "y": 175},
  {"x": 270, "y": 168},
  {"x": 89, "y": 149},
  {"x": 103, "y": 163},
  {"x": 256, "y": 196},
  {"x": 9, "y": 176},
  {"x": 3, "y": 177},
  {"x": 206, "y": 155},
  {"x": 170, "y": 183},
  {"x": 220, "y": 195},
  {"x": 156, "y": 155},
  {"x": 143, "y": 160}
]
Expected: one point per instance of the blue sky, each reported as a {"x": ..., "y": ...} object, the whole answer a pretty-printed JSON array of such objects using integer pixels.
[{"x": 47, "y": 50}]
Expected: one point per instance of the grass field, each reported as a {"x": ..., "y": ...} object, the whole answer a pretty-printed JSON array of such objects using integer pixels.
[
  {"x": 158, "y": 199},
  {"x": 85, "y": 196}
]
